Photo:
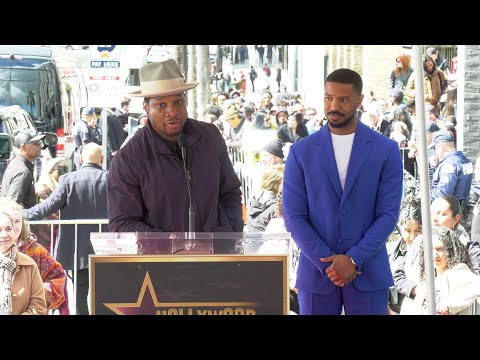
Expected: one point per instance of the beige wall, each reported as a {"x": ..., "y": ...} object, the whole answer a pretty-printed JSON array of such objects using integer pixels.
[
  {"x": 373, "y": 62},
  {"x": 378, "y": 63}
]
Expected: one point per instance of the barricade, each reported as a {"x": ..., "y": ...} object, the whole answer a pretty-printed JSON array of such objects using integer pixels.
[{"x": 74, "y": 222}]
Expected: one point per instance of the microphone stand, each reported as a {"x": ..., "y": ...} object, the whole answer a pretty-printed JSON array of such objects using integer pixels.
[{"x": 191, "y": 209}]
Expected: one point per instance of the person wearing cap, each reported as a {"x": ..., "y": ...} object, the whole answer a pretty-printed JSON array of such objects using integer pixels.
[
  {"x": 440, "y": 63},
  {"x": 82, "y": 133},
  {"x": 239, "y": 127},
  {"x": 18, "y": 182},
  {"x": 281, "y": 116},
  {"x": 341, "y": 219},
  {"x": 454, "y": 173},
  {"x": 396, "y": 102},
  {"x": 148, "y": 186},
  {"x": 272, "y": 153}
]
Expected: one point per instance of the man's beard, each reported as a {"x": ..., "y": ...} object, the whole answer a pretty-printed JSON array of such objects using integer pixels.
[{"x": 342, "y": 124}]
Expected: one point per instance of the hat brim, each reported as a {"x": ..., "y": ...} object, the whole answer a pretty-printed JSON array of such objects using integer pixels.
[
  {"x": 188, "y": 86},
  {"x": 37, "y": 137}
]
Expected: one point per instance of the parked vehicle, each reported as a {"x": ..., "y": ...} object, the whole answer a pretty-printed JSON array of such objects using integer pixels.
[
  {"x": 14, "y": 119},
  {"x": 50, "y": 90}
]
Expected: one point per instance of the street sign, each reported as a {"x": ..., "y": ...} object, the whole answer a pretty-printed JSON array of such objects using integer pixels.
[
  {"x": 104, "y": 56},
  {"x": 104, "y": 84}
]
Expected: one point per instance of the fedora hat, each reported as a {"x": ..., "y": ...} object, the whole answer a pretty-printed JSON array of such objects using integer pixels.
[{"x": 162, "y": 79}]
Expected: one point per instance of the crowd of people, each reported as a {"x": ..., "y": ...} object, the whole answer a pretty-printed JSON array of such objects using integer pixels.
[
  {"x": 270, "y": 165},
  {"x": 285, "y": 122}
]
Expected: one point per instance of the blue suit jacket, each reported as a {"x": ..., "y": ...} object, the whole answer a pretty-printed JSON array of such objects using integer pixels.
[{"x": 324, "y": 220}]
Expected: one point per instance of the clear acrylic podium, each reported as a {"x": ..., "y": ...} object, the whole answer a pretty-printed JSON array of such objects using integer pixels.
[
  {"x": 190, "y": 273},
  {"x": 164, "y": 243}
]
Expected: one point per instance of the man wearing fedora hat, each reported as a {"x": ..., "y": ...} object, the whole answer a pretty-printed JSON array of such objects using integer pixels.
[{"x": 147, "y": 183}]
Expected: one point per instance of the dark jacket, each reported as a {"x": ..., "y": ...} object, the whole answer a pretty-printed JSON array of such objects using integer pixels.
[
  {"x": 80, "y": 194},
  {"x": 453, "y": 176},
  {"x": 261, "y": 210},
  {"x": 122, "y": 117},
  {"x": 286, "y": 134},
  {"x": 400, "y": 81},
  {"x": 82, "y": 134},
  {"x": 18, "y": 182},
  {"x": 115, "y": 134},
  {"x": 384, "y": 127},
  {"x": 147, "y": 188}
]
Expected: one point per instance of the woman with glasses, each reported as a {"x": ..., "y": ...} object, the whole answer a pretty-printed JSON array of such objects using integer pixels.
[{"x": 401, "y": 73}]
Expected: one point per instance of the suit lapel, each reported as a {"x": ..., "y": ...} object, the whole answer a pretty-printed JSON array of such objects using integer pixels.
[
  {"x": 360, "y": 152},
  {"x": 330, "y": 165}
]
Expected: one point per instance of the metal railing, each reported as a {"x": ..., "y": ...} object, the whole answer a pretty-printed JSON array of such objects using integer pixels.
[
  {"x": 74, "y": 222},
  {"x": 237, "y": 157}
]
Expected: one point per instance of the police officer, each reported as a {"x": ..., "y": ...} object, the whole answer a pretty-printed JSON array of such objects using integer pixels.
[
  {"x": 454, "y": 173},
  {"x": 82, "y": 133}
]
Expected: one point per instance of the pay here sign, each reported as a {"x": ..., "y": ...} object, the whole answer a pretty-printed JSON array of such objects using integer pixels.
[{"x": 105, "y": 88}]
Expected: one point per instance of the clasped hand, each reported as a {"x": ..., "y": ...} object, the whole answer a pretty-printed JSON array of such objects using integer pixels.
[{"x": 342, "y": 271}]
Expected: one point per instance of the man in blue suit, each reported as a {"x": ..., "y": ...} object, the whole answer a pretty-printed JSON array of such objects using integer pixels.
[{"x": 341, "y": 199}]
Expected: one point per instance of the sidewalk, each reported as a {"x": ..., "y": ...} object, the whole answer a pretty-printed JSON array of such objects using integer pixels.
[{"x": 260, "y": 83}]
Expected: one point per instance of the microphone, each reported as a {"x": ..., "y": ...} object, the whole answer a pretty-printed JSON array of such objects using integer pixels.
[{"x": 191, "y": 210}]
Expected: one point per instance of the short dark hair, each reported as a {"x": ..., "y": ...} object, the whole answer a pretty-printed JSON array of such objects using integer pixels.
[
  {"x": 346, "y": 76},
  {"x": 125, "y": 101}
]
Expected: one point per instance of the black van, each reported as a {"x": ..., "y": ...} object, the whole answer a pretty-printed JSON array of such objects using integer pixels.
[{"x": 31, "y": 78}]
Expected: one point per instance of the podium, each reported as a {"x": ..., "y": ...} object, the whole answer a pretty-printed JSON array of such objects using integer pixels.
[{"x": 190, "y": 273}]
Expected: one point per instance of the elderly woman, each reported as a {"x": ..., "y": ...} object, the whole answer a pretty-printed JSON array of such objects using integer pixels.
[
  {"x": 52, "y": 273},
  {"x": 23, "y": 293}
]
